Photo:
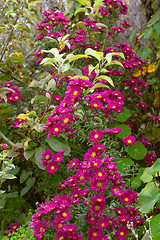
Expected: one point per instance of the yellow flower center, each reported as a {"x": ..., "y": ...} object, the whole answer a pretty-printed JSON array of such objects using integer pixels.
[
  {"x": 56, "y": 129},
  {"x": 82, "y": 178},
  {"x": 75, "y": 93},
  {"x": 53, "y": 167},
  {"x": 93, "y": 154},
  {"x": 94, "y": 234},
  {"x": 96, "y": 136},
  {"x": 97, "y": 208},
  {"x": 100, "y": 174},
  {"x": 126, "y": 199},
  {"x": 99, "y": 184},
  {"x": 60, "y": 225},
  {"x": 66, "y": 120},
  {"x": 64, "y": 214},
  {"x": 47, "y": 157},
  {"x": 122, "y": 233}
]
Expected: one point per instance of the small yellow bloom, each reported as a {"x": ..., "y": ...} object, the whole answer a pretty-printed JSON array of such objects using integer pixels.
[
  {"x": 23, "y": 117},
  {"x": 26, "y": 142}
]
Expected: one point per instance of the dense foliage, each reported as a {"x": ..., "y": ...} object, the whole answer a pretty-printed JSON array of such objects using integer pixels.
[{"x": 81, "y": 135}]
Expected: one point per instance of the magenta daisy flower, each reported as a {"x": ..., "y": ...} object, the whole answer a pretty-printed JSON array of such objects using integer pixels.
[
  {"x": 97, "y": 208},
  {"x": 121, "y": 233},
  {"x": 52, "y": 168},
  {"x": 67, "y": 119},
  {"x": 58, "y": 157},
  {"x": 65, "y": 215},
  {"x": 47, "y": 156},
  {"x": 100, "y": 186},
  {"x": 95, "y": 135},
  {"x": 13, "y": 228},
  {"x": 74, "y": 163},
  {"x": 55, "y": 129},
  {"x": 96, "y": 104},
  {"x": 94, "y": 233},
  {"x": 129, "y": 140},
  {"x": 91, "y": 219}
]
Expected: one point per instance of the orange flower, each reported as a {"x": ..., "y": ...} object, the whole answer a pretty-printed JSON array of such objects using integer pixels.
[
  {"x": 144, "y": 71},
  {"x": 136, "y": 74},
  {"x": 151, "y": 68}
]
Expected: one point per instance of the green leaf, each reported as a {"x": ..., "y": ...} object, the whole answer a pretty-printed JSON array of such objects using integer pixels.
[
  {"x": 97, "y": 4},
  {"x": 85, "y": 2},
  {"x": 144, "y": 53},
  {"x": 29, "y": 153},
  {"x": 1, "y": 192},
  {"x": 57, "y": 178},
  {"x": 148, "y": 197},
  {"x": 34, "y": 84},
  {"x": 146, "y": 177},
  {"x": 81, "y": 26},
  {"x": 136, "y": 182},
  {"x": 17, "y": 60},
  {"x": 97, "y": 55},
  {"x": 24, "y": 176},
  {"x": 132, "y": 35},
  {"x": 155, "y": 167},
  {"x": 156, "y": 133},
  {"x": 38, "y": 157},
  {"x": 155, "y": 225},
  {"x": 123, "y": 164},
  {"x": 108, "y": 79},
  {"x": 114, "y": 63},
  {"x": 101, "y": 25},
  {"x": 22, "y": 26},
  {"x": 98, "y": 85},
  {"x": 48, "y": 60},
  {"x": 15, "y": 170},
  {"x": 148, "y": 32},
  {"x": 137, "y": 151},
  {"x": 80, "y": 10},
  {"x": 122, "y": 117},
  {"x": 40, "y": 98},
  {"x": 157, "y": 236},
  {"x": 57, "y": 144},
  {"x": 154, "y": 19},
  {"x": 157, "y": 29},
  {"x": 109, "y": 56},
  {"x": 30, "y": 182},
  {"x": 126, "y": 131},
  {"x": 9, "y": 176},
  {"x": 78, "y": 56}
]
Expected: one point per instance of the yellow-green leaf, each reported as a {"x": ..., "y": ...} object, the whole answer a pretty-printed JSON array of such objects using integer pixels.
[
  {"x": 108, "y": 79},
  {"x": 85, "y": 2}
]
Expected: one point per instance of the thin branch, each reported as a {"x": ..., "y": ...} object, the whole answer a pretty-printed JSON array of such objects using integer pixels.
[
  {"x": 14, "y": 77},
  {"x": 17, "y": 145}
]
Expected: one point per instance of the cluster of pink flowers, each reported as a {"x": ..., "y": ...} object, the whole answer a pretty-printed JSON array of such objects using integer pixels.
[
  {"x": 150, "y": 157},
  {"x": 4, "y": 146},
  {"x": 51, "y": 162},
  {"x": 96, "y": 177},
  {"x": 12, "y": 93}
]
